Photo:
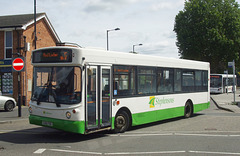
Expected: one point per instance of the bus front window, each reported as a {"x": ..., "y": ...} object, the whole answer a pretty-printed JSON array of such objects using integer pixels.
[
  {"x": 59, "y": 85},
  {"x": 215, "y": 82}
]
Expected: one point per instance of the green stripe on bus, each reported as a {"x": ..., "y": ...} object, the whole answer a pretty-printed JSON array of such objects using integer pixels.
[
  {"x": 113, "y": 120},
  {"x": 153, "y": 116},
  {"x": 137, "y": 119},
  {"x": 200, "y": 107},
  {"x": 70, "y": 126}
]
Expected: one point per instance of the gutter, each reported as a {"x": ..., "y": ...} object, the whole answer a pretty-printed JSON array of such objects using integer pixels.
[{"x": 17, "y": 27}]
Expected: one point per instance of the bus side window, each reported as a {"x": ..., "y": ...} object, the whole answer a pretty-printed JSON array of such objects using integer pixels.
[
  {"x": 188, "y": 81},
  {"x": 165, "y": 80},
  {"x": 146, "y": 80},
  {"x": 177, "y": 80},
  {"x": 205, "y": 80},
  {"x": 198, "y": 81},
  {"x": 124, "y": 80}
]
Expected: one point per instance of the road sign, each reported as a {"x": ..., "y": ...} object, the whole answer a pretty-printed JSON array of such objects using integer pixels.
[
  {"x": 230, "y": 64},
  {"x": 18, "y": 64}
]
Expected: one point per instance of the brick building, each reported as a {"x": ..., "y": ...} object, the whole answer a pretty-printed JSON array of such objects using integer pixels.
[{"x": 17, "y": 39}]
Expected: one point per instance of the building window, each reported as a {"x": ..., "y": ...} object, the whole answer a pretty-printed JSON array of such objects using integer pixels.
[
  {"x": 8, "y": 44},
  {"x": 6, "y": 83}
]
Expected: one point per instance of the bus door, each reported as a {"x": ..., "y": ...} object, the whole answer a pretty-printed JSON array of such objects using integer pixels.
[{"x": 98, "y": 97}]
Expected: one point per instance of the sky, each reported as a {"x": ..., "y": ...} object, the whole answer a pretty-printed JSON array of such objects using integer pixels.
[{"x": 85, "y": 22}]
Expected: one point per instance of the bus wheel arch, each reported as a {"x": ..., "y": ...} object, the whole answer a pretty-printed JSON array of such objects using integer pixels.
[
  {"x": 188, "y": 109},
  {"x": 123, "y": 120}
]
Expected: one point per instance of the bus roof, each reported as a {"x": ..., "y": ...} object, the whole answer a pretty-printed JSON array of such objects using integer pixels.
[
  {"x": 223, "y": 75},
  {"x": 99, "y": 56}
]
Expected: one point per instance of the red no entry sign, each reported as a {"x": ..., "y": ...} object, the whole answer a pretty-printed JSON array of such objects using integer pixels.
[{"x": 18, "y": 64}]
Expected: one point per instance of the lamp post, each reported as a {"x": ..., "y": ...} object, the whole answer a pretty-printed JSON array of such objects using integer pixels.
[
  {"x": 136, "y": 45},
  {"x": 107, "y": 35},
  {"x": 35, "y": 23}
]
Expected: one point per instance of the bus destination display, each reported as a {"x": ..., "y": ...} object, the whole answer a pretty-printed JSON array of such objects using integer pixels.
[{"x": 52, "y": 56}]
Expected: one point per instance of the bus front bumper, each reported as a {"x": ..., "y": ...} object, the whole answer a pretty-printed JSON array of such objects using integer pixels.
[{"x": 65, "y": 125}]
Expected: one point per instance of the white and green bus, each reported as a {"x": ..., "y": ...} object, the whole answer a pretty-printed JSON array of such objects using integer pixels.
[
  {"x": 84, "y": 90},
  {"x": 222, "y": 83}
]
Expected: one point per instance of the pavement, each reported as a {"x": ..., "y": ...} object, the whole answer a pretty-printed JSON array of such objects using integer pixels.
[
  {"x": 222, "y": 101},
  {"x": 226, "y": 102}
]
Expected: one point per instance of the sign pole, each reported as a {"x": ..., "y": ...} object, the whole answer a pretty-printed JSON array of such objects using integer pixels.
[
  {"x": 232, "y": 65},
  {"x": 18, "y": 65},
  {"x": 19, "y": 97},
  {"x": 234, "y": 82}
]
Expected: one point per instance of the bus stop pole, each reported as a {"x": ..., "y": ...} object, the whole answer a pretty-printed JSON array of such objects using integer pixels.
[
  {"x": 227, "y": 82},
  {"x": 234, "y": 83}
]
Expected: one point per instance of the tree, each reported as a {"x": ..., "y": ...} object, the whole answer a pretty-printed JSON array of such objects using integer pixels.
[{"x": 209, "y": 30}]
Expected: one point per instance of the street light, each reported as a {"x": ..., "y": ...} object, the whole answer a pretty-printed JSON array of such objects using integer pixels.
[
  {"x": 136, "y": 45},
  {"x": 107, "y": 34}
]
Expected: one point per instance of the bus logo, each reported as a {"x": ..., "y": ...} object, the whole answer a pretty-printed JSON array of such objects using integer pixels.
[{"x": 154, "y": 101}]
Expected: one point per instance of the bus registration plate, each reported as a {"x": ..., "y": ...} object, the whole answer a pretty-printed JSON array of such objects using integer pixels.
[{"x": 47, "y": 123}]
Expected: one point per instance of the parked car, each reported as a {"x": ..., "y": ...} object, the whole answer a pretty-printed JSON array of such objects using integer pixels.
[{"x": 7, "y": 103}]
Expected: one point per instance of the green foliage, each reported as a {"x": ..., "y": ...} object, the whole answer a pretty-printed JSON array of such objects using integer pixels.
[{"x": 209, "y": 30}]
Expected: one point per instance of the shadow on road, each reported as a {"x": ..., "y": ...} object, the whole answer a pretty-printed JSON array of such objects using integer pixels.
[
  {"x": 45, "y": 135},
  {"x": 48, "y": 135}
]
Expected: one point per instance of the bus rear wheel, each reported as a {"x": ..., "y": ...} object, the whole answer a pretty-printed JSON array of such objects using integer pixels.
[
  {"x": 121, "y": 123},
  {"x": 188, "y": 112}
]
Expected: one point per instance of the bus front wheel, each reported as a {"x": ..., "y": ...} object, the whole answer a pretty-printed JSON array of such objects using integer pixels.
[
  {"x": 188, "y": 112},
  {"x": 121, "y": 123}
]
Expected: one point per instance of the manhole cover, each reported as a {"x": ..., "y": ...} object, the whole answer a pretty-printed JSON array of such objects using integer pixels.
[{"x": 2, "y": 148}]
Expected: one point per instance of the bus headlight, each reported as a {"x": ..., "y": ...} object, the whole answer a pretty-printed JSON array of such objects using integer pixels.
[{"x": 68, "y": 115}]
